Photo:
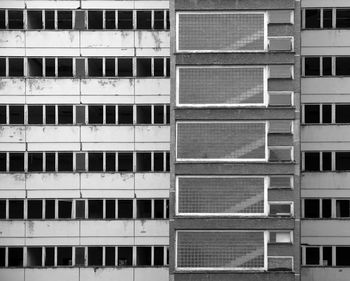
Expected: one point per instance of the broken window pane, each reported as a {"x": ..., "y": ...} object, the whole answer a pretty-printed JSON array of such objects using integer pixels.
[
  {"x": 95, "y": 162},
  {"x": 326, "y": 161},
  {"x": 16, "y": 162},
  {"x": 158, "y": 162},
  {"x": 143, "y": 67},
  {"x": 327, "y": 256},
  {"x": 158, "y": 67},
  {"x": 312, "y": 161},
  {"x": 110, "y": 256},
  {"x": 342, "y": 208},
  {"x": 3, "y": 162},
  {"x": 50, "y": 67},
  {"x": 79, "y": 256},
  {"x": 65, "y": 67},
  {"x": 342, "y": 113},
  {"x": 143, "y": 162},
  {"x": 94, "y": 256},
  {"x": 95, "y": 114},
  {"x": 65, "y": 162},
  {"x": 110, "y": 19},
  {"x": 34, "y": 19},
  {"x": 312, "y": 208},
  {"x": 64, "y": 256},
  {"x": 16, "y": 209},
  {"x": 144, "y": 256},
  {"x": 15, "y": 19},
  {"x": 16, "y": 114},
  {"x": 125, "y": 67},
  {"x": 342, "y": 18},
  {"x": 144, "y": 114},
  {"x": 312, "y": 256},
  {"x": 159, "y": 209},
  {"x": 110, "y": 68},
  {"x": 15, "y": 257},
  {"x": 35, "y": 209},
  {"x": 16, "y": 68},
  {"x": 110, "y": 162},
  {"x": 158, "y": 114},
  {"x": 49, "y": 256},
  {"x": 110, "y": 114},
  {"x": 312, "y": 18},
  {"x": 50, "y": 162},
  {"x": 80, "y": 209},
  {"x": 64, "y": 19},
  {"x": 34, "y": 256},
  {"x": 158, "y": 256},
  {"x": 95, "y": 209},
  {"x": 326, "y": 208},
  {"x": 49, "y": 209},
  {"x": 312, "y": 66},
  {"x": 125, "y": 114},
  {"x": 125, "y": 19},
  {"x": 342, "y": 66},
  {"x": 312, "y": 113},
  {"x": 144, "y": 209},
  {"x": 125, "y": 209},
  {"x": 342, "y": 161},
  {"x": 2, "y": 209},
  {"x": 65, "y": 114},
  {"x": 327, "y": 18},
  {"x": 95, "y": 20},
  {"x": 35, "y": 114},
  {"x": 95, "y": 67},
  {"x": 342, "y": 256},
  {"x": 124, "y": 256},
  {"x": 2, "y": 67},
  {"x": 144, "y": 19},
  {"x": 65, "y": 209},
  {"x": 125, "y": 162},
  {"x": 326, "y": 113},
  {"x": 49, "y": 20},
  {"x": 158, "y": 20},
  {"x": 110, "y": 209}
]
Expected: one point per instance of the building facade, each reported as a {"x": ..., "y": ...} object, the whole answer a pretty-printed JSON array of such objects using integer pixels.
[{"x": 85, "y": 140}]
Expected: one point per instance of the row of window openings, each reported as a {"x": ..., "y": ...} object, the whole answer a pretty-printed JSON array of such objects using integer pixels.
[
  {"x": 326, "y": 18},
  {"x": 318, "y": 161},
  {"x": 88, "y": 19},
  {"x": 82, "y": 114},
  {"x": 326, "y": 208},
  {"x": 80, "y": 256},
  {"x": 84, "y": 209},
  {"x": 326, "y": 113},
  {"x": 84, "y": 161},
  {"x": 326, "y": 66},
  {"x": 84, "y": 67},
  {"x": 326, "y": 255}
]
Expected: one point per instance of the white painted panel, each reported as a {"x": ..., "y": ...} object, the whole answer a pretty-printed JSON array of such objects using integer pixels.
[
  {"x": 330, "y": 228},
  {"x": 52, "y": 228},
  {"x": 152, "y": 228},
  {"x": 326, "y": 180},
  {"x": 52, "y": 4},
  {"x": 325, "y": 193},
  {"x": 12, "y": 99},
  {"x": 152, "y": 133},
  {"x": 53, "y": 193},
  {"x": 106, "y": 274},
  {"x": 52, "y": 133},
  {"x": 152, "y": 4},
  {"x": 54, "y": 181},
  {"x": 107, "y": 86},
  {"x": 107, "y": 181},
  {"x": 52, "y": 52},
  {"x": 9, "y": 193},
  {"x": 13, "y": 52},
  {"x": 141, "y": 193},
  {"x": 59, "y": 86},
  {"x": 107, "y": 146},
  {"x": 160, "y": 146},
  {"x": 12, "y": 134},
  {"x": 151, "y": 274},
  {"x": 152, "y": 86},
  {"x": 152, "y": 99},
  {"x": 13, "y": 274},
  {"x": 324, "y": 133},
  {"x": 152, "y": 181},
  {"x": 317, "y": 146},
  {"x": 106, "y": 4},
  {"x": 113, "y": 228},
  {"x": 12, "y": 228},
  {"x": 12, "y": 242},
  {"x": 152, "y": 39},
  {"x": 145, "y": 240},
  {"x": 107, "y": 99},
  {"x": 108, "y": 52},
  {"x": 107, "y": 39},
  {"x": 105, "y": 241},
  {"x": 325, "y": 38},
  {"x": 11, "y": 39},
  {"x": 325, "y": 273},
  {"x": 13, "y": 146},
  {"x": 107, "y": 134},
  {"x": 325, "y": 3},
  {"x": 44, "y": 99},
  {"x": 52, "y": 39},
  {"x": 325, "y": 98},
  {"x": 111, "y": 193},
  {"x": 54, "y": 146},
  {"x": 329, "y": 86},
  {"x": 152, "y": 52},
  {"x": 325, "y": 51},
  {"x": 52, "y": 241},
  {"x": 52, "y": 274},
  {"x": 12, "y": 86},
  {"x": 12, "y": 181}
]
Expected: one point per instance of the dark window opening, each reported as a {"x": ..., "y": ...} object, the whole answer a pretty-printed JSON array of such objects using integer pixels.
[
  {"x": 96, "y": 162},
  {"x": 327, "y": 18},
  {"x": 2, "y": 114},
  {"x": 110, "y": 19},
  {"x": 312, "y": 161},
  {"x": 342, "y": 256},
  {"x": 312, "y": 208},
  {"x": 35, "y": 67},
  {"x": 110, "y": 162},
  {"x": 326, "y": 161},
  {"x": 34, "y": 256},
  {"x": 312, "y": 18},
  {"x": 124, "y": 256},
  {"x": 2, "y": 67},
  {"x": 342, "y": 66},
  {"x": 326, "y": 113},
  {"x": 16, "y": 209},
  {"x": 312, "y": 113},
  {"x": 343, "y": 18},
  {"x": 64, "y": 256},
  {"x": 125, "y": 209},
  {"x": 144, "y": 256},
  {"x": 280, "y": 209},
  {"x": 125, "y": 67},
  {"x": 16, "y": 114},
  {"x": 326, "y": 66},
  {"x": 158, "y": 67},
  {"x": 144, "y": 67},
  {"x": 79, "y": 256},
  {"x": 167, "y": 209},
  {"x": 110, "y": 256},
  {"x": 144, "y": 19},
  {"x": 167, "y": 168},
  {"x": 95, "y": 20},
  {"x": 94, "y": 256},
  {"x": 125, "y": 19},
  {"x": 125, "y": 114},
  {"x": 49, "y": 20},
  {"x": 16, "y": 68},
  {"x": 15, "y": 257},
  {"x": 159, "y": 209},
  {"x": 125, "y": 162},
  {"x": 49, "y": 209},
  {"x": 64, "y": 209},
  {"x": 342, "y": 161},
  {"x": 2, "y": 19},
  {"x": 35, "y": 114},
  {"x": 158, "y": 114},
  {"x": 168, "y": 114},
  {"x": 95, "y": 209},
  {"x": 2, "y": 257},
  {"x": 16, "y": 162},
  {"x": 80, "y": 114},
  {"x": 35, "y": 162},
  {"x": 312, "y": 256},
  {"x": 80, "y": 209},
  {"x": 167, "y": 20},
  {"x": 143, "y": 162},
  {"x": 35, "y": 19},
  {"x": 49, "y": 256},
  {"x": 2, "y": 209},
  {"x": 326, "y": 208},
  {"x": 144, "y": 115},
  {"x": 167, "y": 67},
  {"x": 65, "y": 114},
  {"x": 144, "y": 209},
  {"x": 35, "y": 209},
  {"x": 158, "y": 256},
  {"x": 95, "y": 114},
  {"x": 50, "y": 162},
  {"x": 342, "y": 113},
  {"x": 64, "y": 19},
  {"x": 3, "y": 162},
  {"x": 158, "y": 20},
  {"x": 50, "y": 67},
  {"x": 65, "y": 67},
  {"x": 158, "y": 162},
  {"x": 95, "y": 67},
  {"x": 50, "y": 114},
  {"x": 65, "y": 162},
  {"x": 312, "y": 66},
  {"x": 110, "y": 209},
  {"x": 342, "y": 208},
  {"x": 327, "y": 256},
  {"x": 15, "y": 19},
  {"x": 110, "y": 68},
  {"x": 110, "y": 114}
]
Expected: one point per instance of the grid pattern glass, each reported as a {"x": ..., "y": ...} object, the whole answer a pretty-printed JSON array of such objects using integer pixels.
[
  {"x": 221, "y": 195},
  {"x": 221, "y": 140},
  {"x": 226, "y": 32},
  {"x": 221, "y": 85},
  {"x": 226, "y": 250}
]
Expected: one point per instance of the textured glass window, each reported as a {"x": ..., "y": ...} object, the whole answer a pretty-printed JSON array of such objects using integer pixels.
[
  {"x": 221, "y": 31},
  {"x": 220, "y": 250}
]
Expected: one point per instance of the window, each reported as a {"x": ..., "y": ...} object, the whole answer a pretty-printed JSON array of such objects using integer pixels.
[
  {"x": 65, "y": 114},
  {"x": 143, "y": 162},
  {"x": 144, "y": 115},
  {"x": 110, "y": 19},
  {"x": 312, "y": 256},
  {"x": 342, "y": 66},
  {"x": 144, "y": 256},
  {"x": 65, "y": 162},
  {"x": 15, "y": 19},
  {"x": 158, "y": 20},
  {"x": 280, "y": 209},
  {"x": 124, "y": 256},
  {"x": 64, "y": 209},
  {"x": 312, "y": 18},
  {"x": 2, "y": 209},
  {"x": 167, "y": 67},
  {"x": 16, "y": 209},
  {"x": 159, "y": 114},
  {"x": 2, "y": 19},
  {"x": 125, "y": 67},
  {"x": 2, "y": 114},
  {"x": 34, "y": 256},
  {"x": 79, "y": 256},
  {"x": 95, "y": 209},
  {"x": 80, "y": 209},
  {"x": 16, "y": 114},
  {"x": 50, "y": 162},
  {"x": 327, "y": 256},
  {"x": 342, "y": 18},
  {"x": 158, "y": 67},
  {"x": 125, "y": 19},
  {"x": 158, "y": 255},
  {"x": 326, "y": 113},
  {"x": 95, "y": 114},
  {"x": 125, "y": 162},
  {"x": 158, "y": 165},
  {"x": 50, "y": 67},
  {"x": 64, "y": 256},
  {"x": 110, "y": 68},
  {"x": 326, "y": 161},
  {"x": 110, "y": 114},
  {"x": 16, "y": 162},
  {"x": 49, "y": 209},
  {"x": 49, "y": 256},
  {"x": 280, "y": 237},
  {"x": 159, "y": 209},
  {"x": 125, "y": 209},
  {"x": 95, "y": 67},
  {"x": 342, "y": 114},
  {"x": 326, "y": 208},
  {"x": 2, "y": 67},
  {"x": 35, "y": 162},
  {"x": 95, "y": 20},
  {"x": 16, "y": 68},
  {"x": 110, "y": 209},
  {"x": 65, "y": 67},
  {"x": 3, "y": 162},
  {"x": 342, "y": 256},
  {"x": 143, "y": 67},
  {"x": 50, "y": 114},
  {"x": 312, "y": 113},
  {"x": 110, "y": 162},
  {"x": 327, "y": 18},
  {"x": 49, "y": 20},
  {"x": 110, "y": 256},
  {"x": 125, "y": 114},
  {"x": 2, "y": 257},
  {"x": 64, "y": 19},
  {"x": 94, "y": 256},
  {"x": 326, "y": 66},
  {"x": 342, "y": 161},
  {"x": 312, "y": 161},
  {"x": 312, "y": 66},
  {"x": 342, "y": 208},
  {"x": 35, "y": 67},
  {"x": 15, "y": 257},
  {"x": 35, "y": 114},
  {"x": 35, "y": 209},
  {"x": 144, "y": 209},
  {"x": 34, "y": 19},
  {"x": 144, "y": 19},
  {"x": 312, "y": 208}
]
